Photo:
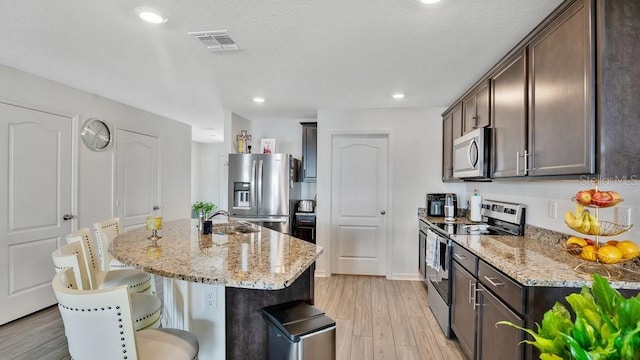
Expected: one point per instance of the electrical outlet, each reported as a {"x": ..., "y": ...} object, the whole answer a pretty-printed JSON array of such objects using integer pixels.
[
  {"x": 210, "y": 300},
  {"x": 552, "y": 209},
  {"x": 623, "y": 215}
]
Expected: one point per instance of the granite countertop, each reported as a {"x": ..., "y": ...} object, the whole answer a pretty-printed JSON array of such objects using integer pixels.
[
  {"x": 273, "y": 260},
  {"x": 532, "y": 260}
]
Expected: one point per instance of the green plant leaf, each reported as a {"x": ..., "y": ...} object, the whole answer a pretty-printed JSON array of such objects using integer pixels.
[
  {"x": 584, "y": 304},
  {"x": 630, "y": 348},
  {"x": 577, "y": 352},
  {"x": 543, "y": 344},
  {"x": 584, "y": 334},
  {"x": 628, "y": 313},
  {"x": 556, "y": 321},
  {"x": 550, "y": 357},
  {"x": 606, "y": 297}
]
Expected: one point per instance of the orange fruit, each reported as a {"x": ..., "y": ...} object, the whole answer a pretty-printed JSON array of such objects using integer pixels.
[
  {"x": 609, "y": 254},
  {"x": 629, "y": 249},
  {"x": 589, "y": 252},
  {"x": 612, "y": 242}
]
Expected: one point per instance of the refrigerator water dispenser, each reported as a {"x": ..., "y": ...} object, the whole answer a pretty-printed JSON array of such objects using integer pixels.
[{"x": 241, "y": 193}]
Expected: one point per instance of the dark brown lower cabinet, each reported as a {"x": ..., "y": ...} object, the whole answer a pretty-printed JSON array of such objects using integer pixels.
[
  {"x": 463, "y": 309},
  {"x": 497, "y": 342},
  {"x": 482, "y": 296}
]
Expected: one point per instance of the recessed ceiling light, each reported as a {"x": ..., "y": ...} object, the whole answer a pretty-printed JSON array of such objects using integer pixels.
[
  {"x": 429, "y": 1},
  {"x": 398, "y": 96},
  {"x": 150, "y": 15},
  {"x": 258, "y": 99}
]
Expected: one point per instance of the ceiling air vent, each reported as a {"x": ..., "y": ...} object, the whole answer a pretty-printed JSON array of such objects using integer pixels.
[{"x": 216, "y": 40}]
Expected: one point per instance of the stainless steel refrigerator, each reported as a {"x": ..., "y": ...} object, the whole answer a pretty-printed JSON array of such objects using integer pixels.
[{"x": 261, "y": 188}]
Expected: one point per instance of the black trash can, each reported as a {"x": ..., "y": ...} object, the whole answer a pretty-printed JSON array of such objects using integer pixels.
[{"x": 300, "y": 331}]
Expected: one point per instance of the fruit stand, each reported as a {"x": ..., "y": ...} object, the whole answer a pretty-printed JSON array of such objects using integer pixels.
[{"x": 596, "y": 254}]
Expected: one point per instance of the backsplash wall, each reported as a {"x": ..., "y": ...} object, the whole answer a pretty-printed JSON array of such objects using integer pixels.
[{"x": 537, "y": 195}]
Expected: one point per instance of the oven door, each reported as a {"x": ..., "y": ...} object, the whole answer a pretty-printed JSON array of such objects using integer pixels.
[
  {"x": 438, "y": 292},
  {"x": 438, "y": 269}
]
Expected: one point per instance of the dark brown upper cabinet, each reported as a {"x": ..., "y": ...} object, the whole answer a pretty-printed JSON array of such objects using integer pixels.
[
  {"x": 564, "y": 100},
  {"x": 309, "y": 151},
  {"x": 509, "y": 118},
  {"x": 476, "y": 108},
  {"x": 561, "y": 96}
]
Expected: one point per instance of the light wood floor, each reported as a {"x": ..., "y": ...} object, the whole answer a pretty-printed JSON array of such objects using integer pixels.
[
  {"x": 382, "y": 319},
  {"x": 376, "y": 319}
]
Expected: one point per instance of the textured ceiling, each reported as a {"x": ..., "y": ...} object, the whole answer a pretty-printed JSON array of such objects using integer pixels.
[{"x": 300, "y": 55}]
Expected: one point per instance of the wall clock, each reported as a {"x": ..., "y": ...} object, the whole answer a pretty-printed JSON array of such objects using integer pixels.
[{"x": 96, "y": 134}]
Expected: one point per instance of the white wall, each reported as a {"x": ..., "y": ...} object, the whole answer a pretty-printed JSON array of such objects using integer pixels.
[
  {"x": 288, "y": 135},
  {"x": 537, "y": 194},
  {"x": 415, "y": 163},
  {"x": 96, "y": 169},
  {"x": 211, "y": 180}
]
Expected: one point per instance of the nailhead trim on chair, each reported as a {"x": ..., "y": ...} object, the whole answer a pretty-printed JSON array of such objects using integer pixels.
[
  {"x": 124, "y": 350},
  {"x": 148, "y": 315},
  {"x": 60, "y": 268},
  {"x": 91, "y": 256}
]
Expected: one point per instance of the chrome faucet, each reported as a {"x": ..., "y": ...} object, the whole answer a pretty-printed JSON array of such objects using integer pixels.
[{"x": 219, "y": 212}]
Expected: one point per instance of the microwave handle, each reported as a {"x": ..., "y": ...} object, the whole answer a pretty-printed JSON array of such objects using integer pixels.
[{"x": 473, "y": 147}]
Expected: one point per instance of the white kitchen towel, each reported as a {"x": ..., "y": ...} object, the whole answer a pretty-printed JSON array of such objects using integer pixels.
[{"x": 432, "y": 257}]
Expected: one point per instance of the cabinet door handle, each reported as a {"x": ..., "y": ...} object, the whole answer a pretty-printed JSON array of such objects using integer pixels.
[
  {"x": 493, "y": 282},
  {"x": 459, "y": 257},
  {"x": 526, "y": 161},
  {"x": 471, "y": 292},
  {"x": 475, "y": 297},
  {"x": 517, "y": 163}
]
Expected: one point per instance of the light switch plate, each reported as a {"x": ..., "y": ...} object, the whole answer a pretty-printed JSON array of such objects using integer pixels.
[
  {"x": 552, "y": 207},
  {"x": 623, "y": 215}
]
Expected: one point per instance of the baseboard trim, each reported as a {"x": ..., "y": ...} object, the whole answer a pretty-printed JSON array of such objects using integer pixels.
[{"x": 404, "y": 276}]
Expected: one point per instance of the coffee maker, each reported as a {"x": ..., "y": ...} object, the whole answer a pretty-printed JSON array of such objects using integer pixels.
[{"x": 436, "y": 204}]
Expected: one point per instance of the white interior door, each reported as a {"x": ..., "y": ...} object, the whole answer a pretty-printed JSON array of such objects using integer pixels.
[
  {"x": 137, "y": 177},
  {"x": 35, "y": 194},
  {"x": 359, "y": 204}
]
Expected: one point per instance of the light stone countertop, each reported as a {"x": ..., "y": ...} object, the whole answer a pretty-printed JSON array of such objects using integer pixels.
[
  {"x": 534, "y": 262},
  {"x": 274, "y": 260}
]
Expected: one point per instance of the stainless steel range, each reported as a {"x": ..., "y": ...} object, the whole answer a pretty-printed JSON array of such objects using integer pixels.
[{"x": 498, "y": 218}]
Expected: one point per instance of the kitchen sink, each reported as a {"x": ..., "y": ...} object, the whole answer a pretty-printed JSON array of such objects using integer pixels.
[{"x": 234, "y": 228}]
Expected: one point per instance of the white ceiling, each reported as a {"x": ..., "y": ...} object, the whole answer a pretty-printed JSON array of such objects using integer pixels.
[{"x": 300, "y": 55}]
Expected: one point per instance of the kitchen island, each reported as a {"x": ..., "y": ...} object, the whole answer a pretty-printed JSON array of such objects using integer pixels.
[{"x": 215, "y": 285}]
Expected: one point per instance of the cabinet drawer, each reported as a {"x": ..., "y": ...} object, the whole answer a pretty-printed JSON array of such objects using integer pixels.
[
  {"x": 465, "y": 258},
  {"x": 508, "y": 290}
]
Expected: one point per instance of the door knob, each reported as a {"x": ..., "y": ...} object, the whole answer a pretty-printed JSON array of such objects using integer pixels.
[
  {"x": 383, "y": 212},
  {"x": 67, "y": 217}
]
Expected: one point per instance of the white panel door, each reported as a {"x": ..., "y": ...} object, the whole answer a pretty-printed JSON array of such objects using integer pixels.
[
  {"x": 35, "y": 194},
  {"x": 137, "y": 177},
  {"x": 359, "y": 204}
]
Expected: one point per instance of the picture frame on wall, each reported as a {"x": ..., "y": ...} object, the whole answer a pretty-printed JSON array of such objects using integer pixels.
[{"x": 268, "y": 146}]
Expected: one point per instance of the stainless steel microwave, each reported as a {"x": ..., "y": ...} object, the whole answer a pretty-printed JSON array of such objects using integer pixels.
[{"x": 471, "y": 155}]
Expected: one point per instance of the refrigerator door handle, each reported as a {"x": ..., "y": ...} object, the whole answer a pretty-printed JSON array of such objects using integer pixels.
[
  {"x": 283, "y": 219},
  {"x": 252, "y": 198},
  {"x": 260, "y": 166}
]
